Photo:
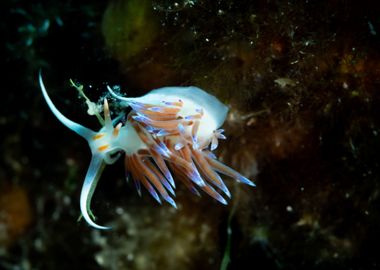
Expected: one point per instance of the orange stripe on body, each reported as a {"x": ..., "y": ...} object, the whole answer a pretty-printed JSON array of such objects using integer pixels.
[
  {"x": 103, "y": 147},
  {"x": 98, "y": 136}
]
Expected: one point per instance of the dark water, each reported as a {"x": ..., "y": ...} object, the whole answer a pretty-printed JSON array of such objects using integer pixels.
[{"x": 302, "y": 80}]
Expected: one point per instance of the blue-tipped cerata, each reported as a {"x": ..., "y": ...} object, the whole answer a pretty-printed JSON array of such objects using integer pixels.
[{"x": 167, "y": 135}]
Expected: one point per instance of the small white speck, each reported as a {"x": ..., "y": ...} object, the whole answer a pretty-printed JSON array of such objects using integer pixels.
[
  {"x": 99, "y": 259},
  {"x": 38, "y": 244},
  {"x": 119, "y": 210},
  {"x": 289, "y": 209},
  {"x": 66, "y": 200}
]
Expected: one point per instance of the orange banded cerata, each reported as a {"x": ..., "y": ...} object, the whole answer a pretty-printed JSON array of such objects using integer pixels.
[{"x": 169, "y": 134}]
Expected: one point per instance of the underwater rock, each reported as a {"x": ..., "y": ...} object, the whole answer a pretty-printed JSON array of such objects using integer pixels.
[{"x": 160, "y": 238}]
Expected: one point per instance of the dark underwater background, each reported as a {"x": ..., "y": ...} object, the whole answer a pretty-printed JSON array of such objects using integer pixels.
[{"x": 302, "y": 81}]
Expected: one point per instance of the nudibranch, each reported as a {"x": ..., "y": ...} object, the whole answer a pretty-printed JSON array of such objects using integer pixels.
[{"x": 169, "y": 133}]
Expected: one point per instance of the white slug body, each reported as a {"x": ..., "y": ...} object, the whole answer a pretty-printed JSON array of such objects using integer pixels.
[
  {"x": 171, "y": 130},
  {"x": 191, "y": 104}
]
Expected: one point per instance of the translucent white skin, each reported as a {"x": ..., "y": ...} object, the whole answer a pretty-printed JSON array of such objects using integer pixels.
[
  {"x": 193, "y": 98},
  {"x": 127, "y": 140}
]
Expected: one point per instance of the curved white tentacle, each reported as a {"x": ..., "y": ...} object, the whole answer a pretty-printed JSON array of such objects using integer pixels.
[
  {"x": 128, "y": 100},
  {"x": 77, "y": 128},
  {"x": 107, "y": 147},
  {"x": 92, "y": 177}
]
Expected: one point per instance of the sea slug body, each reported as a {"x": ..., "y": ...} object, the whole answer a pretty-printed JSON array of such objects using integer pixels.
[{"x": 168, "y": 135}]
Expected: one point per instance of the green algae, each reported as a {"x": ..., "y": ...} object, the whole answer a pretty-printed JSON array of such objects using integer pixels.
[{"x": 129, "y": 27}]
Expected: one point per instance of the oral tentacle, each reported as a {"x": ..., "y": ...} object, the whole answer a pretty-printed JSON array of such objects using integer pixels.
[
  {"x": 170, "y": 131},
  {"x": 94, "y": 172},
  {"x": 77, "y": 128}
]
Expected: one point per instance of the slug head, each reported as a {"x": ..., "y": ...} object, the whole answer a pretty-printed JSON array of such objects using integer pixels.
[
  {"x": 104, "y": 151},
  {"x": 105, "y": 142}
]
